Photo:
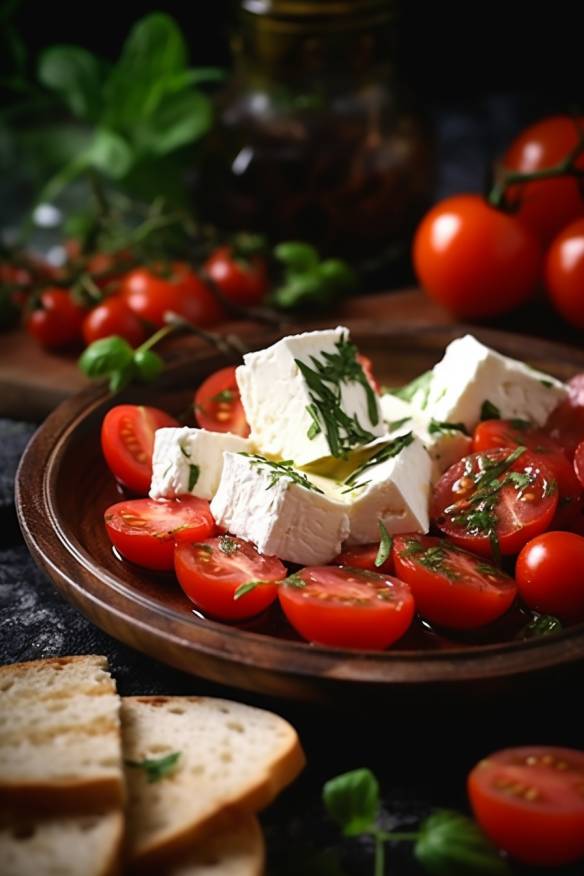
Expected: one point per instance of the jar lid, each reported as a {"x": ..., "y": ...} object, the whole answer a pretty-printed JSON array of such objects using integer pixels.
[{"x": 317, "y": 8}]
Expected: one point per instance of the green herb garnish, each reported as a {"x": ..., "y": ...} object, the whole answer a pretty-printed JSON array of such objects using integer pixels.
[
  {"x": 226, "y": 395},
  {"x": 434, "y": 558},
  {"x": 227, "y": 544},
  {"x": 437, "y": 427},
  {"x": 294, "y": 580},
  {"x": 547, "y": 383},
  {"x": 540, "y": 625},
  {"x": 397, "y": 424},
  {"x": 156, "y": 768},
  {"x": 489, "y": 411},
  {"x": 420, "y": 385},
  {"x": 184, "y": 451},
  {"x": 279, "y": 470},
  {"x": 385, "y": 544},
  {"x": 385, "y": 452},
  {"x": 307, "y": 280},
  {"x": 194, "y": 472},
  {"x": 522, "y": 425},
  {"x": 248, "y": 587}
]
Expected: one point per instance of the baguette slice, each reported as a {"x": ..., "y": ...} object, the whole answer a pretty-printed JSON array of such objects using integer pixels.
[
  {"x": 237, "y": 850},
  {"x": 232, "y": 756},
  {"x": 67, "y": 845},
  {"x": 60, "y": 747}
]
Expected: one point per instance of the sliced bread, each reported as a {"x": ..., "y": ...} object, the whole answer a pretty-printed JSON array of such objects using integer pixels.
[
  {"x": 230, "y": 756},
  {"x": 236, "y": 850},
  {"x": 60, "y": 747},
  {"x": 68, "y": 845}
]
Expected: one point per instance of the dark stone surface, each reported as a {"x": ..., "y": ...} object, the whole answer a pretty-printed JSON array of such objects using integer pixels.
[{"x": 421, "y": 755}]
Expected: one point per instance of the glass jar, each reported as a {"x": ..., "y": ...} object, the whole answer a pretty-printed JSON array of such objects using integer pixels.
[{"x": 315, "y": 138}]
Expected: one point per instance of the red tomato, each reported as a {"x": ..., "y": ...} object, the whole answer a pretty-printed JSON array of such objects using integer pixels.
[
  {"x": 145, "y": 531},
  {"x": 498, "y": 498},
  {"x": 151, "y": 294},
  {"x": 211, "y": 573},
  {"x": 113, "y": 317},
  {"x": 451, "y": 587},
  {"x": 550, "y": 575},
  {"x": 529, "y": 801},
  {"x": 363, "y": 557},
  {"x": 241, "y": 280},
  {"x": 347, "y": 608},
  {"x": 579, "y": 462},
  {"x": 218, "y": 405},
  {"x": 566, "y": 423},
  {"x": 475, "y": 260},
  {"x": 564, "y": 272},
  {"x": 14, "y": 275},
  {"x": 367, "y": 366},
  {"x": 127, "y": 441},
  {"x": 547, "y": 206},
  {"x": 57, "y": 321},
  {"x": 518, "y": 433}
]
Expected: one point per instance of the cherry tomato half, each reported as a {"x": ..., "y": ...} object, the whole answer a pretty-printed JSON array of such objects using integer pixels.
[
  {"x": 127, "y": 441},
  {"x": 243, "y": 280},
  {"x": 550, "y": 575},
  {"x": 564, "y": 272},
  {"x": 451, "y": 587},
  {"x": 218, "y": 405},
  {"x": 529, "y": 801},
  {"x": 151, "y": 293},
  {"x": 113, "y": 317},
  {"x": 546, "y": 206},
  {"x": 476, "y": 261},
  {"x": 57, "y": 321},
  {"x": 211, "y": 573},
  {"x": 347, "y": 608},
  {"x": 363, "y": 556},
  {"x": 497, "y": 499},
  {"x": 145, "y": 530}
]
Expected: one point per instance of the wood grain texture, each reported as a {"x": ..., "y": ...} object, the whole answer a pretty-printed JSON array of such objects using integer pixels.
[{"x": 63, "y": 487}]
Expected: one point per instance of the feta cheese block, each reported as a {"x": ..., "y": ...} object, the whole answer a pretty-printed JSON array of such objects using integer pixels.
[
  {"x": 190, "y": 461},
  {"x": 446, "y": 445},
  {"x": 279, "y": 510},
  {"x": 305, "y": 412},
  {"x": 392, "y": 486},
  {"x": 471, "y": 374}
]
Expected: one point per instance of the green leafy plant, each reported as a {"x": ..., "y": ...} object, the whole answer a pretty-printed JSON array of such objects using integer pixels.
[{"x": 308, "y": 280}]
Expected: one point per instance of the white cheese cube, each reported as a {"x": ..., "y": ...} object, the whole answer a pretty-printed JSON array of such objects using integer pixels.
[
  {"x": 190, "y": 461},
  {"x": 259, "y": 502},
  {"x": 445, "y": 445},
  {"x": 278, "y": 400},
  {"x": 395, "y": 491},
  {"x": 471, "y": 374}
]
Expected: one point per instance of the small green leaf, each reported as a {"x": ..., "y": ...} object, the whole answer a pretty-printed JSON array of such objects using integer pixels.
[
  {"x": 156, "y": 768},
  {"x": 248, "y": 587},
  {"x": 148, "y": 364},
  {"x": 420, "y": 385},
  {"x": 438, "y": 427},
  {"x": 228, "y": 545},
  {"x": 352, "y": 800},
  {"x": 106, "y": 356},
  {"x": 394, "y": 425},
  {"x": 299, "y": 290},
  {"x": 194, "y": 472},
  {"x": 76, "y": 76},
  {"x": 120, "y": 379},
  {"x": 109, "y": 153},
  {"x": 338, "y": 275},
  {"x": 489, "y": 411},
  {"x": 450, "y": 844},
  {"x": 385, "y": 545},
  {"x": 180, "y": 118},
  {"x": 294, "y": 580},
  {"x": 297, "y": 256},
  {"x": 542, "y": 625}
]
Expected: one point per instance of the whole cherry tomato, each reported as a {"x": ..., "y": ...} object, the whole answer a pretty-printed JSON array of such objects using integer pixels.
[
  {"x": 475, "y": 260},
  {"x": 152, "y": 292},
  {"x": 547, "y": 206},
  {"x": 564, "y": 273},
  {"x": 113, "y": 317},
  {"x": 57, "y": 320},
  {"x": 550, "y": 574},
  {"x": 243, "y": 280}
]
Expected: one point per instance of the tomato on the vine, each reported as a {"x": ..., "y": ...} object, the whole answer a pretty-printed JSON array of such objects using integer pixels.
[
  {"x": 347, "y": 608},
  {"x": 127, "y": 441},
  {"x": 218, "y": 406},
  {"x": 564, "y": 271},
  {"x": 529, "y": 801},
  {"x": 56, "y": 320},
  {"x": 152, "y": 292},
  {"x": 550, "y": 575},
  {"x": 241, "y": 279},
  {"x": 113, "y": 317},
  {"x": 475, "y": 260},
  {"x": 546, "y": 206}
]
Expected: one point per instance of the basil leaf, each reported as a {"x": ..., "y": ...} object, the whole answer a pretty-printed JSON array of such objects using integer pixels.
[
  {"x": 109, "y": 153},
  {"x": 338, "y": 275},
  {"x": 148, "y": 364},
  {"x": 352, "y": 800},
  {"x": 120, "y": 379},
  {"x": 385, "y": 545},
  {"x": 180, "y": 118},
  {"x": 105, "y": 356},
  {"x": 450, "y": 844},
  {"x": 156, "y": 768},
  {"x": 297, "y": 256},
  {"x": 76, "y": 76},
  {"x": 489, "y": 411},
  {"x": 297, "y": 291}
]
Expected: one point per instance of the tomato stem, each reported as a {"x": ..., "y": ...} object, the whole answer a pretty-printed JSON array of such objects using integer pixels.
[
  {"x": 398, "y": 837},
  {"x": 228, "y": 344},
  {"x": 379, "y": 855},
  {"x": 566, "y": 167}
]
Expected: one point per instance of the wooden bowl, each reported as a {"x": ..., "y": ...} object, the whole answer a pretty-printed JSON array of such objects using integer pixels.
[{"x": 63, "y": 487}]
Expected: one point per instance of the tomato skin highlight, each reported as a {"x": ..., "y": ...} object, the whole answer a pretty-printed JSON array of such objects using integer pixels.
[
  {"x": 210, "y": 577},
  {"x": 462, "y": 597},
  {"x": 218, "y": 406},
  {"x": 57, "y": 322},
  {"x": 517, "y": 515},
  {"x": 476, "y": 261},
  {"x": 127, "y": 441},
  {"x": 529, "y": 806},
  {"x": 546, "y": 206},
  {"x": 113, "y": 317},
  {"x": 564, "y": 272},
  {"x": 348, "y": 608},
  {"x": 550, "y": 575},
  {"x": 144, "y": 531},
  {"x": 150, "y": 295},
  {"x": 566, "y": 422},
  {"x": 363, "y": 556},
  {"x": 241, "y": 280}
]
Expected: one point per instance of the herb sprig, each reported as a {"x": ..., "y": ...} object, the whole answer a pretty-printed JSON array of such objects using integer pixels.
[
  {"x": 385, "y": 545},
  {"x": 278, "y": 470},
  {"x": 438, "y": 427},
  {"x": 420, "y": 385},
  {"x": 386, "y": 451}
]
